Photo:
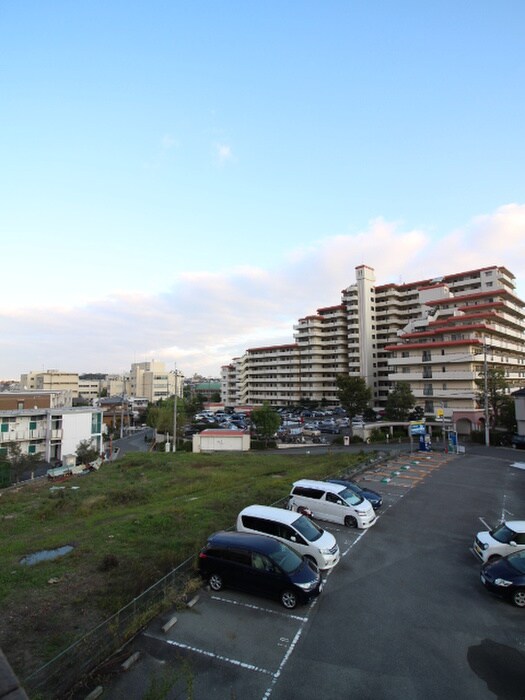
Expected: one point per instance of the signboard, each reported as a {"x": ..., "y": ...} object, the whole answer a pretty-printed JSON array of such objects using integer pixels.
[{"x": 417, "y": 429}]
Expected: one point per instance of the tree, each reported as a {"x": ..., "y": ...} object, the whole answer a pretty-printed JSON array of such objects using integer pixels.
[
  {"x": 354, "y": 394},
  {"x": 19, "y": 463},
  {"x": 417, "y": 413},
  {"x": 86, "y": 453},
  {"x": 266, "y": 420},
  {"x": 497, "y": 392},
  {"x": 369, "y": 415},
  {"x": 507, "y": 415},
  {"x": 400, "y": 402}
]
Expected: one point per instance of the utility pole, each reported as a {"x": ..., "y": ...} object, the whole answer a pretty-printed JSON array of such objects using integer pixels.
[
  {"x": 175, "y": 413},
  {"x": 486, "y": 391}
]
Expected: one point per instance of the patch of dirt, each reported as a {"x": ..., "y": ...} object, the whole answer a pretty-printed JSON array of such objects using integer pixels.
[{"x": 40, "y": 622}]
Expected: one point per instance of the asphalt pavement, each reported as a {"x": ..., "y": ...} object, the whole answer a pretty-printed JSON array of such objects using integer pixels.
[{"x": 403, "y": 615}]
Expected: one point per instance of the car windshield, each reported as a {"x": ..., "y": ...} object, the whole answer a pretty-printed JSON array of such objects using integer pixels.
[
  {"x": 286, "y": 558},
  {"x": 503, "y": 533},
  {"x": 517, "y": 561},
  {"x": 350, "y": 497},
  {"x": 307, "y": 528}
]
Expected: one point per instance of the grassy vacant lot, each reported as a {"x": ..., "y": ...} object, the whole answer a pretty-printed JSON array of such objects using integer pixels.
[{"x": 130, "y": 523}]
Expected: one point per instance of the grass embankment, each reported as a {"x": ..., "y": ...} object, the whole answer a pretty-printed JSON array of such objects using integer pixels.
[{"x": 129, "y": 523}]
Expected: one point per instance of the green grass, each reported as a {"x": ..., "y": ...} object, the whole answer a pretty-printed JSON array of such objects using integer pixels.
[{"x": 129, "y": 523}]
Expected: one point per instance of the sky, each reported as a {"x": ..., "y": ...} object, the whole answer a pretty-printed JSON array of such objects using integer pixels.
[{"x": 182, "y": 181}]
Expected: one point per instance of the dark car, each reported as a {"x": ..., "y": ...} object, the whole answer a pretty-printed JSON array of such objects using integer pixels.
[
  {"x": 260, "y": 565},
  {"x": 506, "y": 577},
  {"x": 518, "y": 441},
  {"x": 375, "y": 498}
]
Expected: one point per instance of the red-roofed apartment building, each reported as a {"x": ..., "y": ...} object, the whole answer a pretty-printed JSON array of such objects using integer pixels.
[{"x": 435, "y": 334}]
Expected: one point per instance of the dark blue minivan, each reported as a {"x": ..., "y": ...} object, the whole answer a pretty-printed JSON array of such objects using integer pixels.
[{"x": 260, "y": 565}]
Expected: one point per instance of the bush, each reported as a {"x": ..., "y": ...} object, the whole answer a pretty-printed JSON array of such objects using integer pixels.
[
  {"x": 355, "y": 439},
  {"x": 263, "y": 444},
  {"x": 377, "y": 435}
]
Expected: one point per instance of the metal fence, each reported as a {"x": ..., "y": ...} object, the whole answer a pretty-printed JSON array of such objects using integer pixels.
[{"x": 57, "y": 677}]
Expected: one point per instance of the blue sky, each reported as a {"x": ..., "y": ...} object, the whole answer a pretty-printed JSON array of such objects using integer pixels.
[{"x": 181, "y": 181}]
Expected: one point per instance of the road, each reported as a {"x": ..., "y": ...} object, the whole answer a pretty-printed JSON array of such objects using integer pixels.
[{"x": 403, "y": 615}]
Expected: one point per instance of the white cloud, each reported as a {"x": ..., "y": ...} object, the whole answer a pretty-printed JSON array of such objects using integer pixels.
[
  {"x": 223, "y": 152},
  {"x": 205, "y": 319}
]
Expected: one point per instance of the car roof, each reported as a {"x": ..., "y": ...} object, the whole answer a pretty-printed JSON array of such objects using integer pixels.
[
  {"x": 518, "y": 525},
  {"x": 283, "y": 516},
  {"x": 326, "y": 485},
  {"x": 245, "y": 540}
]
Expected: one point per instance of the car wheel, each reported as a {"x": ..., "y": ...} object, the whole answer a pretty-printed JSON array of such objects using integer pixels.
[
  {"x": 518, "y": 597},
  {"x": 215, "y": 582},
  {"x": 350, "y": 521},
  {"x": 289, "y": 599}
]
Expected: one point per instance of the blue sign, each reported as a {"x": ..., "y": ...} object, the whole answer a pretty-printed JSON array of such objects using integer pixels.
[{"x": 418, "y": 429}]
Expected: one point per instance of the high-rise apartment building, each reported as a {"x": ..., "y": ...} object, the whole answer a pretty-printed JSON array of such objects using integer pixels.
[{"x": 436, "y": 334}]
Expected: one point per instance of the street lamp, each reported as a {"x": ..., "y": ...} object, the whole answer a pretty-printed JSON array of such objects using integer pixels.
[{"x": 486, "y": 391}]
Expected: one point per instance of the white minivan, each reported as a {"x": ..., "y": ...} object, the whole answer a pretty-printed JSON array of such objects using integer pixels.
[
  {"x": 295, "y": 530},
  {"x": 332, "y": 502}
]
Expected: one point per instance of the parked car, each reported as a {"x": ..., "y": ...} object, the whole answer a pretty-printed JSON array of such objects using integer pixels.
[
  {"x": 504, "y": 539},
  {"x": 375, "y": 498},
  {"x": 260, "y": 565},
  {"x": 332, "y": 502},
  {"x": 295, "y": 530},
  {"x": 506, "y": 577},
  {"x": 518, "y": 441},
  {"x": 329, "y": 427}
]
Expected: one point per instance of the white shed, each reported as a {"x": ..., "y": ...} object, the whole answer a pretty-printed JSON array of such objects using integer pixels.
[{"x": 221, "y": 441}]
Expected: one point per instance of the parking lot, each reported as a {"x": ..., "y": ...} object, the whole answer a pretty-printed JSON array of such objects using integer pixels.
[{"x": 403, "y": 615}]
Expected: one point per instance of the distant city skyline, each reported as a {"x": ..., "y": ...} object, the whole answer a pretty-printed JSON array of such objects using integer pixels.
[{"x": 181, "y": 183}]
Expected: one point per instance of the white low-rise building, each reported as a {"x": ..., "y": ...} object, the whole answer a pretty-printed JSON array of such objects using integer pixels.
[{"x": 51, "y": 433}]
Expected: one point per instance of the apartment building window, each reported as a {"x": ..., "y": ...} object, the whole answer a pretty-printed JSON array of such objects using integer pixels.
[
  {"x": 96, "y": 423},
  {"x": 405, "y": 353},
  {"x": 429, "y": 407},
  {"x": 427, "y": 356},
  {"x": 428, "y": 390},
  {"x": 427, "y": 372}
]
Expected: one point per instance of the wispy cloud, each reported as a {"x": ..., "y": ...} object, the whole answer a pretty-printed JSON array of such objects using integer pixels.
[
  {"x": 205, "y": 319},
  {"x": 166, "y": 144},
  {"x": 223, "y": 152}
]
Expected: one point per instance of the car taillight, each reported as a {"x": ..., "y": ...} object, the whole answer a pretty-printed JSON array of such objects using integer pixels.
[{"x": 202, "y": 555}]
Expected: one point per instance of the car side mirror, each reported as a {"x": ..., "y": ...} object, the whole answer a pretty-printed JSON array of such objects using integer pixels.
[
  {"x": 513, "y": 544},
  {"x": 293, "y": 538}
]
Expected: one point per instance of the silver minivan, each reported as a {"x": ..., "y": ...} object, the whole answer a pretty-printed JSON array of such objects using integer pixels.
[
  {"x": 332, "y": 502},
  {"x": 295, "y": 530}
]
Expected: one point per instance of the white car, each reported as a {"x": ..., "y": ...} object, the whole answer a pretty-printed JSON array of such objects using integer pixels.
[{"x": 506, "y": 538}]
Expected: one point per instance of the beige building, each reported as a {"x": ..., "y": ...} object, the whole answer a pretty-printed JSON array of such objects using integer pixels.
[
  {"x": 151, "y": 381},
  {"x": 50, "y": 380},
  {"x": 436, "y": 334}
]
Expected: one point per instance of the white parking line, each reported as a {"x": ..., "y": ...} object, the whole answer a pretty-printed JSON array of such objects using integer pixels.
[
  {"x": 258, "y": 607},
  {"x": 287, "y": 655},
  {"x": 219, "y": 657}
]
